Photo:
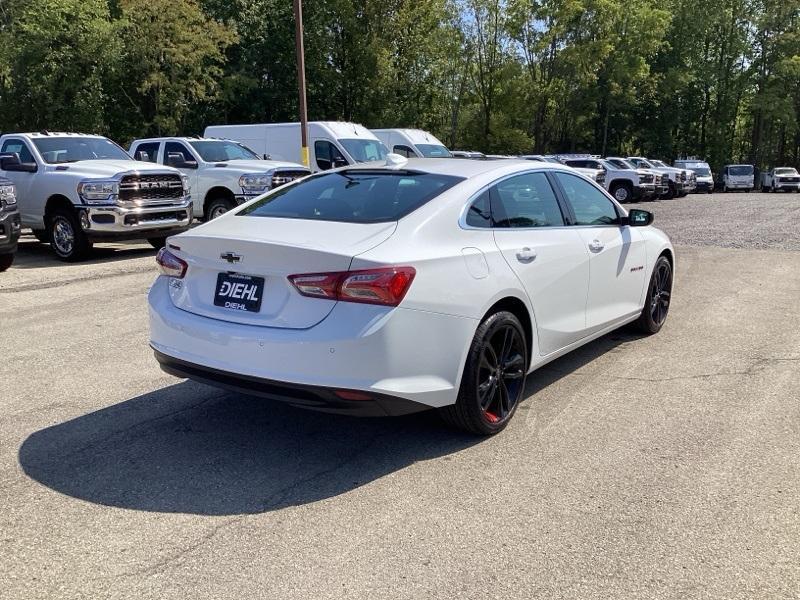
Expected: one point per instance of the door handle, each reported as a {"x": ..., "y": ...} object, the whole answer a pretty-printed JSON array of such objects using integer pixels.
[
  {"x": 526, "y": 254},
  {"x": 596, "y": 245}
]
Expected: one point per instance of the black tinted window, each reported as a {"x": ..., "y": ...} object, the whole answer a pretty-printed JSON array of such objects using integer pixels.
[
  {"x": 18, "y": 147},
  {"x": 590, "y": 205},
  {"x": 526, "y": 201},
  {"x": 147, "y": 152},
  {"x": 478, "y": 214},
  {"x": 353, "y": 196},
  {"x": 404, "y": 151},
  {"x": 328, "y": 155},
  {"x": 175, "y": 153}
]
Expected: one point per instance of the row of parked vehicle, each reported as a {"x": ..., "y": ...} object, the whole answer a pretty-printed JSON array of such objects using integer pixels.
[{"x": 73, "y": 190}]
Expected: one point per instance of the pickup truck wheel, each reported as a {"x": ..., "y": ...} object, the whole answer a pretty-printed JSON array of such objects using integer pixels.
[
  {"x": 5, "y": 261},
  {"x": 157, "y": 242},
  {"x": 621, "y": 192},
  {"x": 218, "y": 207},
  {"x": 765, "y": 189},
  {"x": 671, "y": 193},
  {"x": 67, "y": 239},
  {"x": 41, "y": 235}
]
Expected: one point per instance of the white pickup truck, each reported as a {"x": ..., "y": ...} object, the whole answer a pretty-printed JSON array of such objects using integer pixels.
[
  {"x": 622, "y": 180},
  {"x": 780, "y": 178},
  {"x": 75, "y": 189},
  {"x": 222, "y": 173},
  {"x": 679, "y": 180}
]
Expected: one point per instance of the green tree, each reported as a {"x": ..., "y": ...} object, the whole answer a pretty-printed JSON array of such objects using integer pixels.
[{"x": 170, "y": 63}]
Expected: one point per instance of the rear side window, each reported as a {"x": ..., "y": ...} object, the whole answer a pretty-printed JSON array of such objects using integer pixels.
[
  {"x": 353, "y": 196},
  {"x": 526, "y": 201},
  {"x": 479, "y": 212}
]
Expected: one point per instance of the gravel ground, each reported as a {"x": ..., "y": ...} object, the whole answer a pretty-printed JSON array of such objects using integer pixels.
[
  {"x": 662, "y": 467},
  {"x": 732, "y": 220}
]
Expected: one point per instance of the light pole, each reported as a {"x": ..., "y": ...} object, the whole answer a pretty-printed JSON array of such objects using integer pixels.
[{"x": 301, "y": 80}]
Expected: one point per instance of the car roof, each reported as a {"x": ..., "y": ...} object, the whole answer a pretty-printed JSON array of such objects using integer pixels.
[
  {"x": 49, "y": 134},
  {"x": 458, "y": 168}
]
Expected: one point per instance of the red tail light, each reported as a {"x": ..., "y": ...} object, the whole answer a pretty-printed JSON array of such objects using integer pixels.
[
  {"x": 170, "y": 264},
  {"x": 386, "y": 286}
]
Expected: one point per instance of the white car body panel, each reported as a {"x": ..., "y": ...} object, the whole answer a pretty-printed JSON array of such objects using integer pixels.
[
  {"x": 417, "y": 350},
  {"x": 281, "y": 141},
  {"x": 396, "y": 139}
]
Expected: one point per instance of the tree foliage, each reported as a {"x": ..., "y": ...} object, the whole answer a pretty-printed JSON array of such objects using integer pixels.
[{"x": 718, "y": 79}]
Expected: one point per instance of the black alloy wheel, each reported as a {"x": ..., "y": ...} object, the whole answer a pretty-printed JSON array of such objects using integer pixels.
[
  {"x": 659, "y": 295},
  {"x": 493, "y": 382}
]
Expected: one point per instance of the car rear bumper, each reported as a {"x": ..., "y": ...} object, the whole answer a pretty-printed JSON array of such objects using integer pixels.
[
  {"x": 10, "y": 228},
  {"x": 117, "y": 222},
  {"x": 390, "y": 354}
]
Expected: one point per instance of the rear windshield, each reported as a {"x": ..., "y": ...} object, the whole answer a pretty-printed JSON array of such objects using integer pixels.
[{"x": 353, "y": 196}]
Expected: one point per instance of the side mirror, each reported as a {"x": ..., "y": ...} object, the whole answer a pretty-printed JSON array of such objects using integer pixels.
[
  {"x": 177, "y": 160},
  {"x": 10, "y": 162},
  {"x": 142, "y": 156},
  {"x": 639, "y": 218},
  {"x": 266, "y": 157}
]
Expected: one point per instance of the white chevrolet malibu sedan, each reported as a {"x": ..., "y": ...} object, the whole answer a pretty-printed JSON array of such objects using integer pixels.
[{"x": 388, "y": 288}]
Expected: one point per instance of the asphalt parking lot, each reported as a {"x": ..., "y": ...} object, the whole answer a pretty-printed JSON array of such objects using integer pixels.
[{"x": 662, "y": 467}]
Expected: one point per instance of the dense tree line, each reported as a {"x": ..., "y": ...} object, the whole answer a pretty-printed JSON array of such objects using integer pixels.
[{"x": 718, "y": 79}]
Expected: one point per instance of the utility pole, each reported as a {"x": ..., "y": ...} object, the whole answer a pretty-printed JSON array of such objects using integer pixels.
[{"x": 301, "y": 80}]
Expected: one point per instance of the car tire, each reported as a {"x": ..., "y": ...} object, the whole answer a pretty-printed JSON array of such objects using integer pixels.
[
  {"x": 66, "y": 236},
  {"x": 670, "y": 191},
  {"x": 218, "y": 207},
  {"x": 157, "y": 242},
  {"x": 765, "y": 189},
  {"x": 41, "y": 235},
  {"x": 493, "y": 383},
  {"x": 659, "y": 295},
  {"x": 6, "y": 260},
  {"x": 622, "y": 192}
]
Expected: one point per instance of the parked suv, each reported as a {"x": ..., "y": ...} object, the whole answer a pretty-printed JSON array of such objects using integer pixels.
[
  {"x": 75, "y": 189},
  {"x": 9, "y": 223},
  {"x": 624, "y": 182},
  {"x": 780, "y": 178},
  {"x": 221, "y": 173}
]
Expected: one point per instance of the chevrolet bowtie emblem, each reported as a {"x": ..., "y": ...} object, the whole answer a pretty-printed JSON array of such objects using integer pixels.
[{"x": 230, "y": 257}]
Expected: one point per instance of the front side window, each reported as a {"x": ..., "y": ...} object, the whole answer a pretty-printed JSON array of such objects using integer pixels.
[
  {"x": 365, "y": 150},
  {"x": 147, "y": 152},
  {"x": 328, "y": 155},
  {"x": 526, "y": 200},
  {"x": 175, "y": 153},
  {"x": 404, "y": 151},
  {"x": 18, "y": 147},
  {"x": 621, "y": 164},
  {"x": 222, "y": 151},
  {"x": 58, "y": 150},
  {"x": 590, "y": 205},
  {"x": 352, "y": 196}
]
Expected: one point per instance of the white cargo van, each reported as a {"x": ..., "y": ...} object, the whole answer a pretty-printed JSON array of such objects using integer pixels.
[
  {"x": 412, "y": 143},
  {"x": 330, "y": 143}
]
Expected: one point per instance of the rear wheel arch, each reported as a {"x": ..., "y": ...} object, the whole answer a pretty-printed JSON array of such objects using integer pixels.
[{"x": 519, "y": 309}]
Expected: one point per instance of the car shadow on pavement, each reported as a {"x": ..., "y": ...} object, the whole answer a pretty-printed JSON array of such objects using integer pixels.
[
  {"x": 189, "y": 448},
  {"x": 32, "y": 254}
]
